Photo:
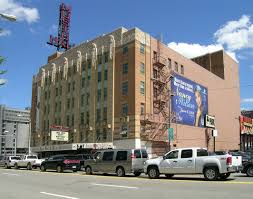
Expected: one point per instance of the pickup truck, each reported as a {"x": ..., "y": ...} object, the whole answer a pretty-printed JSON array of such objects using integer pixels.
[
  {"x": 192, "y": 161},
  {"x": 29, "y": 162}
]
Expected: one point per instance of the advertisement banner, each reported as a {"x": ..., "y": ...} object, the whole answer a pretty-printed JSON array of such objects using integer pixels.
[
  {"x": 190, "y": 101},
  {"x": 59, "y": 136}
]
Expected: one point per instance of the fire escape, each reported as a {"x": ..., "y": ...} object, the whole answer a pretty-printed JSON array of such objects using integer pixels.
[{"x": 154, "y": 125}]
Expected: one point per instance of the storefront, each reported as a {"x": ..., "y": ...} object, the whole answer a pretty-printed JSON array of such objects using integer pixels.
[{"x": 246, "y": 130}]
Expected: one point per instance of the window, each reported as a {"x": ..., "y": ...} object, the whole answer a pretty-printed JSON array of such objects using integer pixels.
[
  {"x": 105, "y": 114},
  {"x": 104, "y": 134},
  {"x": 142, "y": 108},
  {"x": 99, "y": 76},
  {"x": 73, "y": 86},
  {"x": 67, "y": 120},
  {"x": 73, "y": 102},
  {"x": 100, "y": 59},
  {"x": 83, "y": 82},
  {"x": 186, "y": 153},
  {"x": 176, "y": 66},
  {"x": 142, "y": 48},
  {"x": 142, "y": 88},
  {"x": 154, "y": 55},
  {"x": 142, "y": 68},
  {"x": 69, "y": 87},
  {"x": 99, "y": 96},
  {"x": 89, "y": 63},
  {"x": 87, "y": 99},
  {"x": 56, "y": 77},
  {"x": 82, "y": 99},
  {"x": 105, "y": 74},
  {"x": 144, "y": 153},
  {"x": 87, "y": 117},
  {"x": 56, "y": 106},
  {"x": 83, "y": 66},
  {"x": 74, "y": 68},
  {"x": 172, "y": 155},
  {"x": 182, "y": 69},
  {"x": 98, "y": 115},
  {"x": 125, "y": 68},
  {"x": 73, "y": 119},
  {"x": 105, "y": 94},
  {"x": 169, "y": 63},
  {"x": 124, "y": 109},
  {"x": 60, "y": 90},
  {"x": 202, "y": 152},
  {"x": 61, "y": 74},
  {"x": 68, "y": 103},
  {"x": 137, "y": 153},
  {"x": 108, "y": 156},
  {"x": 121, "y": 155},
  {"x": 106, "y": 55},
  {"x": 56, "y": 91},
  {"x": 82, "y": 118},
  {"x": 125, "y": 50},
  {"x": 59, "y": 106},
  {"x": 124, "y": 88}
]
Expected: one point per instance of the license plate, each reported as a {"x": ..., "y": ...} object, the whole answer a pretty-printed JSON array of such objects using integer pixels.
[{"x": 73, "y": 167}]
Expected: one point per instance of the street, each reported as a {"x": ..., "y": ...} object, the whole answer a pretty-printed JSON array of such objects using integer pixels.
[{"x": 23, "y": 184}]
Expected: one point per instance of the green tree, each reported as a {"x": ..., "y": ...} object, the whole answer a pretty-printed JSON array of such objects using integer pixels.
[{"x": 2, "y": 81}]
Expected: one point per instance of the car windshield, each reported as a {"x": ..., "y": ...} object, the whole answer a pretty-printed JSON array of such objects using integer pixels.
[
  {"x": 15, "y": 158},
  {"x": 32, "y": 157},
  {"x": 71, "y": 157}
]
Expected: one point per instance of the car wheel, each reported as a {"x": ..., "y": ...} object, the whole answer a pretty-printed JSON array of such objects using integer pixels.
[
  {"x": 16, "y": 166},
  {"x": 136, "y": 174},
  {"x": 59, "y": 169},
  {"x": 224, "y": 176},
  {"x": 74, "y": 170},
  {"x": 6, "y": 166},
  {"x": 29, "y": 166},
  {"x": 169, "y": 175},
  {"x": 211, "y": 173},
  {"x": 42, "y": 168},
  {"x": 88, "y": 170},
  {"x": 153, "y": 173},
  {"x": 120, "y": 172},
  {"x": 249, "y": 171}
]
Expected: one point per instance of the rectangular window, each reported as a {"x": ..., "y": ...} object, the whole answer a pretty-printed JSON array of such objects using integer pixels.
[
  {"x": 69, "y": 85},
  {"x": 100, "y": 59},
  {"x": 142, "y": 68},
  {"x": 176, "y": 66},
  {"x": 125, "y": 50},
  {"x": 89, "y": 74},
  {"x": 169, "y": 63},
  {"x": 67, "y": 120},
  {"x": 105, "y": 74},
  {"x": 73, "y": 86},
  {"x": 68, "y": 103},
  {"x": 89, "y": 63},
  {"x": 74, "y": 68},
  {"x": 98, "y": 115},
  {"x": 83, "y": 82},
  {"x": 108, "y": 155},
  {"x": 56, "y": 91},
  {"x": 56, "y": 77},
  {"x": 104, "y": 134},
  {"x": 182, "y": 69},
  {"x": 142, "y": 48},
  {"x": 87, "y": 99},
  {"x": 73, "y": 102},
  {"x": 142, "y": 108},
  {"x": 186, "y": 153},
  {"x": 124, "y": 109},
  {"x": 124, "y": 88},
  {"x": 137, "y": 153},
  {"x": 59, "y": 106},
  {"x": 60, "y": 90},
  {"x": 106, "y": 55},
  {"x": 73, "y": 119},
  {"x": 99, "y": 76},
  {"x": 105, "y": 94},
  {"x": 99, "y": 96},
  {"x": 56, "y": 106},
  {"x": 142, "y": 87},
  {"x": 82, "y": 99},
  {"x": 105, "y": 114},
  {"x": 125, "y": 68},
  {"x": 87, "y": 117},
  {"x": 82, "y": 118},
  {"x": 83, "y": 66},
  {"x": 121, "y": 156}
]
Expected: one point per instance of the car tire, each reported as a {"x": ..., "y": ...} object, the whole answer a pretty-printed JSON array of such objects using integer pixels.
[
  {"x": 88, "y": 170},
  {"x": 249, "y": 171},
  {"x": 6, "y": 166},
  {"x": 74, "y": 171},
  {"x": 211, "y": 173},
  {"x": 29, "y": 166},
  {"x": 169, "y": 175},
  {"x": 224, "y": 176},
  {"x": 42, "y": 168},
  {"x": 136, "y": 174},
  {"x": 153, "y": 172},
  {"x": 59, "y": 169},
  {"x": 120, "y": 172},
  {"x": 16, "y": 166}
]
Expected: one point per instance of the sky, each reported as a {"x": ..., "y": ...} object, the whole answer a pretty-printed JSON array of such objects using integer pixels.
[{"x": 192, "y": 28}]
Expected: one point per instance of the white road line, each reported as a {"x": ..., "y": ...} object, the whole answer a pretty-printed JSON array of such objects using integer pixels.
[
  {"x": 111, "y": 185},
  {"x": 11, "y": 174},
  {"x": 57, "y": 195}
]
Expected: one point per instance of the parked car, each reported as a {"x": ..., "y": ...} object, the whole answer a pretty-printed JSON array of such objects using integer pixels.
[
  {"x": 119, "y": 161},
  {"x": 9, "y": 161},
  {"x": 83, "y": 158},
  {"x": 29, "y": 162},
  {"x": 61, "y": 163},
  {"x": 192, "y": 161}
]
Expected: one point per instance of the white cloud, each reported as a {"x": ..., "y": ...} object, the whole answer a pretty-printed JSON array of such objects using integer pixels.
[
  {"x": 236, "y": 35},
  {"x": 247, "y": 100},
  {"x": 3, "y": 81},
  {"x": 21, "y": 12},
  {"x": 4, "y": 33}
]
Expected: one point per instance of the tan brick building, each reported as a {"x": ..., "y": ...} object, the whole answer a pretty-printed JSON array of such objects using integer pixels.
[{"x": 114, "y": 91}]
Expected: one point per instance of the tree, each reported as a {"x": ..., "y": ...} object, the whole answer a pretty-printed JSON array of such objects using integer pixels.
[{"x": 2, "y": 81}]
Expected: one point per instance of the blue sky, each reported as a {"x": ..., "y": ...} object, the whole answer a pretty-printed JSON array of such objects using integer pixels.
[{"x": 190, "y": 27}]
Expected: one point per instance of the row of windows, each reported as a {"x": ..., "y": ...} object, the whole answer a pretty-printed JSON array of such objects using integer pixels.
[
  {"x": 124, "y": 89},
  {"x": 142, "y": 49},
  {"x": 125, "y": 68}
]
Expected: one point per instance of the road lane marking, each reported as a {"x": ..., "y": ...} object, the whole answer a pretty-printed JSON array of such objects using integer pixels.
[
  {"x": 11, "y": 174},
  {"x": 111, "y": 185},
  {"x": 57, "y": 195}
]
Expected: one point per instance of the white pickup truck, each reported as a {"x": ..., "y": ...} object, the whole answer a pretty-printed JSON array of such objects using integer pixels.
[
  {"x": 192, "y": 161},
  {"x": 29, "y": 162}
]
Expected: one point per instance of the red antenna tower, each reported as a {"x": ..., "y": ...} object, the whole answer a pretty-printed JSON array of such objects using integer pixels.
[{"x": 62, "y": 40}]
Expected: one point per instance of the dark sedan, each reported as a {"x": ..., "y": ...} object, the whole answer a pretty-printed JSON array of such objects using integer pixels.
[{"x": 61, "y": 163}]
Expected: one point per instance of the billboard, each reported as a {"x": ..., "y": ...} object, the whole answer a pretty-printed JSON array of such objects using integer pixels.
[
  {"x": 59, "y": 136},
  {"x": 190, "y": 101}
]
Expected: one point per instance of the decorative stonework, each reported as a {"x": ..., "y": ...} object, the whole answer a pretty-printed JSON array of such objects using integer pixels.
[
  {"x": 65, "y": 68},
  {"x": 53, "y": 72},
  {"x": 94, "y": 54},
  {"x": 43, "y": 76},
  {"x": 79, "y": 61},
  {"x": 111, "y": 46}
]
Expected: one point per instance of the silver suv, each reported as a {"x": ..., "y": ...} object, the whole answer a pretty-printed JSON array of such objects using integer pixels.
[
  {"x": 9, "y": 161},
  {"x": 119, "y": 161}
]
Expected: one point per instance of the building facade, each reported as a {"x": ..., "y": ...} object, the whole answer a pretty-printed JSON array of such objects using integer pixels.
[
  {"x": 14, "y": 129},
  {"x": 117, "y": 91},
  {"x": 246, "y": 127}
]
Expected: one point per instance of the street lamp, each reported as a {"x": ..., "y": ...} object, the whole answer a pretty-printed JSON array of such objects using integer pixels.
[{"x": 8, "y": 17}]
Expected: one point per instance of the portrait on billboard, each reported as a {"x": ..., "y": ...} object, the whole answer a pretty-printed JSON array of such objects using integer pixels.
[{"x": 190, "y": 101}]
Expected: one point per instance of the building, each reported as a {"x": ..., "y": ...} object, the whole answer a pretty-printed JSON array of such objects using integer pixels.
[
  {"x": 126, "y": 89},
  {"x": 246, "y": 127},
  {"x": 14, "y": 129}
]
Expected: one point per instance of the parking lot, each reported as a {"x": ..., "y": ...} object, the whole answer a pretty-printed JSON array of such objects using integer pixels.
[{"x": 35, "y": 184}]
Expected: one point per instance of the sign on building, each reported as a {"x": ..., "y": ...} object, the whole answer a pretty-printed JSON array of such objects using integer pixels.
[
  {"x": 59, "y": 136},
  {"x": 210, "y": 121},
  {"x": 190, "y": 101}
]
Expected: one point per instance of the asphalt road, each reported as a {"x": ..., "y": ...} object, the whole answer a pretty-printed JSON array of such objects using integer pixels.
[{"x": 23, "y": 184}]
